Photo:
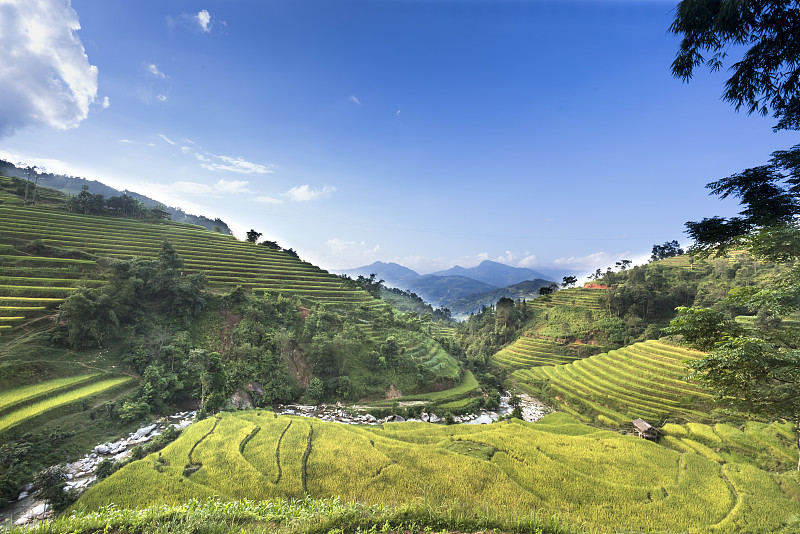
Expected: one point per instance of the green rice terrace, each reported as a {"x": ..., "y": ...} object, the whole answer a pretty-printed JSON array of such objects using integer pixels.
[
  {"x": 597, "y": 479},
  {"x": 645, "y": 380},
  {"x": 34, "y": 283}
]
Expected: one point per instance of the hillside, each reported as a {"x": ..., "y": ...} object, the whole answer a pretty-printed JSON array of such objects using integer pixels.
[
  {"x": 109, "y": 320},
  {"x": 564, "y": 351},
  {"x": 604, "y": 480},
  {"x": 527, "y": 290},
  {"x": 71, "y": 185}
]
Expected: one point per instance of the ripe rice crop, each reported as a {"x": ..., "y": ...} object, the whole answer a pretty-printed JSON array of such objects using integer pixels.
[{"x": 602, "y": 479}]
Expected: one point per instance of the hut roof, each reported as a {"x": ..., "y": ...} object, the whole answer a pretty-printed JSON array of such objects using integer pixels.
[{"x": 642, "y": 425}]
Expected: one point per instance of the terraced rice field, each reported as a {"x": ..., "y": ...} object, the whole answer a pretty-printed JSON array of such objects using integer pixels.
[
  {"x": 600, "y": 479},
  {"x": 577, "y": 296},
  {"x": 642, "y": 380},
  {"x": 530, "y": 351},
  {"x": 22, "y": 404},
  {"x": 31, "y": 285},
  {"x": 448, "y": 399}
]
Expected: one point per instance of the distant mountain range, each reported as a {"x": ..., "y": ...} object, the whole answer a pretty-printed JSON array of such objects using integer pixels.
[{"x": 462, "y": 290}]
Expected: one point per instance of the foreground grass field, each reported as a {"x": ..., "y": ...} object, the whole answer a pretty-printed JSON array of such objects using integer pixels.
[
  {"x": 302, "y": 516},
  {"x": 601, "y": 479}
]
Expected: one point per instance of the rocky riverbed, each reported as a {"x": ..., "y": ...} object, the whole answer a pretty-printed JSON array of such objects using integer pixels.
[
  {"x": 81, "y": 473},
  {"x": 532, "y": 410}
]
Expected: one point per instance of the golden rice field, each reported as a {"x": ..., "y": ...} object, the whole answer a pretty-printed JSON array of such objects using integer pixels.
[{"x": 603, "y": 480}]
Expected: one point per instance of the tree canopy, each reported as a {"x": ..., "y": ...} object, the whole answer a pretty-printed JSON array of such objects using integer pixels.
[{"x": 767, "y": 77}]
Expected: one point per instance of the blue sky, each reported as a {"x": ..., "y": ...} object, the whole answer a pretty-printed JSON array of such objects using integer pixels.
[{"x": 548, "y": 135}]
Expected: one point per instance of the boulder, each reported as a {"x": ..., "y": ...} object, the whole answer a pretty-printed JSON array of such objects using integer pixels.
[
  {"x": 101, "y": 449},
  {"x": 241, "y": 399},
  {"x": 424, "y": 417},
  {"x": 22, "y": 495},
  {"x": 255, "y": 387},
  {"x": 142, "y": 432},
  {"x": 434, "y": 418},
  {"x": 395, "y": 419}
]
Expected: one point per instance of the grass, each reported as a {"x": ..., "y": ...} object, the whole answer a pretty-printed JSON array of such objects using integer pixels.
[
  {"x": 600, "y": 479},
  {"x": 294, "y": 516}
]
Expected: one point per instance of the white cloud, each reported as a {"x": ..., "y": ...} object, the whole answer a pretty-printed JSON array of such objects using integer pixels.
[
  {"x": 302, "y": 193},
  {"x": 204, "y": 20},
  {"x": 506, "y": 258},
  {"x": 528, "y": 261},
  {"x": 232, "y": 186},
  {"x": 397, "y": 113},
  {"x": 106, "y": 102},
  {"x": 354, "y": 100},
  {"x": 152, "y": 69},
  {"x": 214, "y": 162},
  {"x": 196, "y": 22},
  {"x": 161, "y": 98},
  {"x": 47, "y": 77}
]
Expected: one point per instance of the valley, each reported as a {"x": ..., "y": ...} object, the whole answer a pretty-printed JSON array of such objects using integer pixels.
[{"x": 111, "y": 322}]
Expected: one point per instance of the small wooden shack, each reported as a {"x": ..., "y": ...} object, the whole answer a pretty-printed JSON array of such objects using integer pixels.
[{"x": 644, "y": 429}]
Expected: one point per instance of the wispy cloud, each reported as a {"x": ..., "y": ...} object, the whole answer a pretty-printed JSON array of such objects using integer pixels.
[
  {"x": 204, "y": 20},
  {"x": 214, "y": 162},
  {"x": 106, "y": 102},
  {"x": 528, "y": 261},
  {"x": 196, "y": 22},
  {"x": 232, "y": 186},
  {"x": 354, "y": 99},
  {"x": 153, "y": 69},
  {"x": 303, "y": 193},
  {"x": 269, "y": 200},
  {"x": 167, "y": 139},
  {"x": 219, "y": 189},
  {"x": 47, "y": 77},
  {"x": 155, "y": 85}
]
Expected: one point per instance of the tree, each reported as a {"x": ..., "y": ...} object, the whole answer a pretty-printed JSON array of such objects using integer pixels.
[
  {"x": 548, "y": 290},
  {"x": 623, "y": 264},
  {"x": 568, "y": 281},
  {"x": 756, "y": 371},
  {"x": 667, "y": 250},
  {"x": 270, "y": 244},
  {"x": 769, "y": 195},
  {"x": 252, "y": 235},
  {"x": 767, "y": 77},
  {"x": 315, "y": 390}
]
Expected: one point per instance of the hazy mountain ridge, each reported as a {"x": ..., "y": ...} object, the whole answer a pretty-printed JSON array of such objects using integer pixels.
[
  {"x": 494, "y": 273},
  {"x": 529, "y": 289},
  {"x": 462, "y": 290},
  {"x": 72, "y": 185}
]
